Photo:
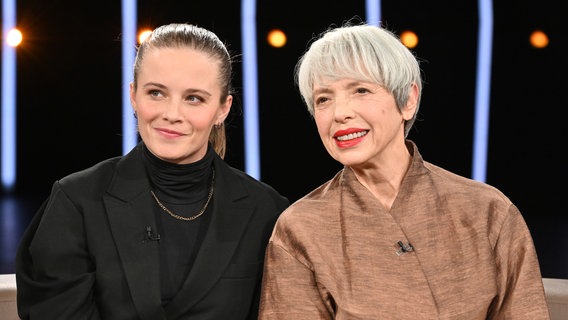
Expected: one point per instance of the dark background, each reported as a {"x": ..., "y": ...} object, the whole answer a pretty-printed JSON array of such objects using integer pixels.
[{"x": 69, "y": 90}]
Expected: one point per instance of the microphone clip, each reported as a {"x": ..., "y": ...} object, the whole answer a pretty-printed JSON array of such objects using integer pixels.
[
  {"x": 403, "y": 248},
  {"x": 151, "y": 236}
]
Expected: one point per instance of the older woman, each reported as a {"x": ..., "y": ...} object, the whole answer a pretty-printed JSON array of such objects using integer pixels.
[{"x": 391, "y": 236}]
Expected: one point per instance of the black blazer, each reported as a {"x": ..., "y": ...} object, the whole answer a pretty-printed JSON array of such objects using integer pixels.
[{"x": 87, "y": 255}]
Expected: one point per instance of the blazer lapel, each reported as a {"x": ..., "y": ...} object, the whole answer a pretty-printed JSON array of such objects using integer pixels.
[
  {"x": 129, "y": 209},
  {"x": 232, "y": 210}
]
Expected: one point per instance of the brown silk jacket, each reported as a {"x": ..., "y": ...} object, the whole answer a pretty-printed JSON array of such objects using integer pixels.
[{"x": 334, "y": 254}]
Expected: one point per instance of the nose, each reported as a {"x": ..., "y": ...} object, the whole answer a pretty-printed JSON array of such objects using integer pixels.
[
  {"x": 172, "y": 111},
  {"x": 343, "y": 109}
]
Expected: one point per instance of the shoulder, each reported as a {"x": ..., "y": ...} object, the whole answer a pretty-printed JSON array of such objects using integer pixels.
[
  {"x": 92, "y": 175},
  {"x": 310, "y": 225},
  {"x": 126, "y": 172},
  {"x": 463, "y": 199},
  {"x": 448, "y": 194},
  {"x": 253, "y": 183},
  {"x": 237, "y": 182},
  {"x": 433, "y": 179},
  {"x": 126, "y": 167},
  {"x": 448, "y": 182},
  {"x": 317, "y": 208}
]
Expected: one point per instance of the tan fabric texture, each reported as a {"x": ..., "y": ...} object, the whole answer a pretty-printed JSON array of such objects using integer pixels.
[{"x": 333, "y": 254}]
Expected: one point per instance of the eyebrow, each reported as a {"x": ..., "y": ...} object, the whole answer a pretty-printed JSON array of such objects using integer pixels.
[
  {"x": 190, "y": 90},
  {"x": 351, "y": 84},
  {"x": 153, "y": 84},
  {"x": 322, "y": 90}
]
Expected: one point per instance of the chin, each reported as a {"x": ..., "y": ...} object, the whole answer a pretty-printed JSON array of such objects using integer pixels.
[{"x": 351, "y": 162}]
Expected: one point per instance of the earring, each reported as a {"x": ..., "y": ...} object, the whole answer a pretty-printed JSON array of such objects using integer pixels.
[{"x": 135, "y": 115}]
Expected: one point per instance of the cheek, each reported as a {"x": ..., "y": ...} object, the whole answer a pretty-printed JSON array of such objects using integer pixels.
[
  {"x": 145, "y": 115},
  {"x": 144, "y": 108},
  {"x": 199, "y": 120}
]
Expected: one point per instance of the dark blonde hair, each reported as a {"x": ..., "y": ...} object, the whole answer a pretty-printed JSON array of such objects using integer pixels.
[{"x": 181, "y": 35}]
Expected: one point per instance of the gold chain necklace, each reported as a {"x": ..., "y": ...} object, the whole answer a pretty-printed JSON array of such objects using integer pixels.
[{"x": 192, "y": 217}]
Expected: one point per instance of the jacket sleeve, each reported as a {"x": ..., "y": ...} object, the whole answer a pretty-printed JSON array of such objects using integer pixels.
[
  {"x": 54, "y": 273},
  {"x": 289, "y": 289},
  {"x": 521, "y": 291}
]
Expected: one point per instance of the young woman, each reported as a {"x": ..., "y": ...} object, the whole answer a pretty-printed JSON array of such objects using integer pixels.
[{"x": 168, "y": 231}]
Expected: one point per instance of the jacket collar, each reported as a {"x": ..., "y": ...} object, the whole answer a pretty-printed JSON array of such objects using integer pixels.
[
  {"x": 232, "y": 210},
  {"x": 129, "y": 208}
]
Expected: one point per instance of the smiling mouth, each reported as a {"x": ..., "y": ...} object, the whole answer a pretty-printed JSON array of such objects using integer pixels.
[{"x": 352, "y": 136}]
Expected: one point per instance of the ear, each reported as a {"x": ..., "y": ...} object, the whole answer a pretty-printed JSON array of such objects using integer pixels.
[
  {"x": 132, "y": 96},
  {"x": 224, "y": 109},
  {"x": 410, "y": 108}
]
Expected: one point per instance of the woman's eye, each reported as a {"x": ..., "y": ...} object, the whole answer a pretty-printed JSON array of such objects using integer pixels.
[
  {"x": 154, "y": 93},
  {"x": 362, "y": 90},
  {"x": 194, "y": 99},
  {"x": 321, "y": 100}
]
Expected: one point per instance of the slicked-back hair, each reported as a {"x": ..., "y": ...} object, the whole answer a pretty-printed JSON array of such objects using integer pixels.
[{"x": 182, "y": 35}]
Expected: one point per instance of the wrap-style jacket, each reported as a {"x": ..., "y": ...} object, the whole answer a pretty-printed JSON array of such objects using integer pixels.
[
  {"x": 448, "y": 248},
  {"x": 91, "y": 252}
]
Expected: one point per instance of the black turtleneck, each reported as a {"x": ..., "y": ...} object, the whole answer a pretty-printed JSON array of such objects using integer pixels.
[{"x": 183, "y": 189}]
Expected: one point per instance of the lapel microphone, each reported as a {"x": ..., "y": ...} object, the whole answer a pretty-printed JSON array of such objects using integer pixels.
[
  {"x": 150, "y": 235},
  {"x": 404, "y": 248}
]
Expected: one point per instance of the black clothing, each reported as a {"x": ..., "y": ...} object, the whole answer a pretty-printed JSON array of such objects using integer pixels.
[
  {"x": 183, "y": 189},
  {"x": 88, "y": 254}
]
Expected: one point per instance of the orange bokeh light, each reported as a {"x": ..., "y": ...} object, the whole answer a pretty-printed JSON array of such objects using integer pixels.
[
  {"x": 538, "y": 39},
  {"x": 409, "y": 39},
  {"x": 143, "y": 35},
  {"x": 276, "y": 38}
]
